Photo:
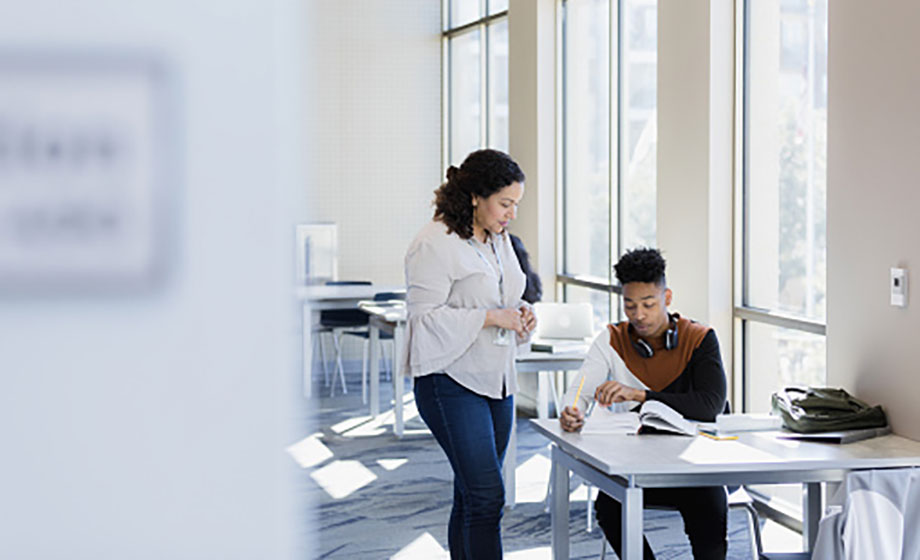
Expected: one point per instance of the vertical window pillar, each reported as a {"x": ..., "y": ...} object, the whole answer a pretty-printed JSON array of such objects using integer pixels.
[
  {"x": 695, "y": 148},
  {"x": 532, "y": 127}
]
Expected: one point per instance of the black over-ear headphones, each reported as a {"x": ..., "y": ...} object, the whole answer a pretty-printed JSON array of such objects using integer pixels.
[{"x": 670, "y": 340}]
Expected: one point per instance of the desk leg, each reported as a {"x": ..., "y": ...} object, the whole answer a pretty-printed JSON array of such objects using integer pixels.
[
  {"x": 510, "y": 465},
  {"x": 632, "y": 523},
  {"x": 812, "y": 508},
  {"x": 374, "y": 358},
  {"x": 398, "y": 382},
  {"x": 557, "y": 402},
  {"x": 543, "y": 381},
  {"x": 307, "y": 351},
  {"x": 559, "y": 514}
]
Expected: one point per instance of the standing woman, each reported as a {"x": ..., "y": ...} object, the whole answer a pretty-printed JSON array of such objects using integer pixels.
[{"x": 466, "y": 318}]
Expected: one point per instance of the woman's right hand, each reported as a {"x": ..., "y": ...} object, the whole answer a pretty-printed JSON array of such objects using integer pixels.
[{"x": 510, "y": 319}]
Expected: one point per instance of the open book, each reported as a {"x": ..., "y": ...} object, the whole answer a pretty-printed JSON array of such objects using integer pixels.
[
  {"x": 652, "y": 414},
  {"x": 659, "y": 416}
]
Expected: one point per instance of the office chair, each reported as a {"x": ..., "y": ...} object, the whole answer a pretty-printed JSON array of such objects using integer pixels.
[
  {"x": 381, "y": 296},
  {"x": 337, "y": 321}
]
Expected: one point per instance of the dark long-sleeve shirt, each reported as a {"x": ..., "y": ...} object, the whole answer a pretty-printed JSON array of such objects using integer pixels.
[
  {"x": 698, "y": 393},
  {"x": 689, "y": 378}
]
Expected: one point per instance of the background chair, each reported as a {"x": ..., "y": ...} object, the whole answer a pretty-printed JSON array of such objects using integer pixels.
[
  {"x": 381, "y": 297},
  {"x": 316, "y": 332},
  {"x": 337, "y": 321}
]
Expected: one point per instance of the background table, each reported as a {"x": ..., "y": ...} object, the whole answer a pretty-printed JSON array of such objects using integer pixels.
[
  {"x": 322, "y": 297},
  {"x": 546, "y": 365},
  {"x": 622, "y": 465},
  {"x": 390, "y": 319}
]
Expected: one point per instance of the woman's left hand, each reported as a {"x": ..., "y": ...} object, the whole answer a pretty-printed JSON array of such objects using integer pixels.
[{"x": 528, "y": 319}]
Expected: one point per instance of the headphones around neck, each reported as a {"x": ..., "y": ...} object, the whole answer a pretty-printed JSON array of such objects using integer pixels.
[{"x": 670, "y": 340}]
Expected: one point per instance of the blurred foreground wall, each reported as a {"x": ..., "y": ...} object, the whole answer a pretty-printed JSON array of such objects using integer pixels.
[{"x": 150, "y": 178}]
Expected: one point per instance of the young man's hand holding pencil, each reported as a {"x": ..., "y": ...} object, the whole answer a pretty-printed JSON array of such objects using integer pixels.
[{"x": 572, "y": 419}]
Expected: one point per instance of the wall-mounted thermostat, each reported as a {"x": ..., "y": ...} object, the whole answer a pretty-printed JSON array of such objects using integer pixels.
[
  {"x": 83, "y": 172},
  {"x": 898, "y": 286}
]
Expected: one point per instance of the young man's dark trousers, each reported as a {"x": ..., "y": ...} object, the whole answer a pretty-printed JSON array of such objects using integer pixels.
[{"x": 704, "y": 510}]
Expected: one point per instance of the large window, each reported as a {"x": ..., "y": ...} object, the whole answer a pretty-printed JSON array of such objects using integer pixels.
[
  {"x": 476, "y": 77},
  {"x": 782, "y": 304},
  {"x": 781, "y": 313},
  {"x": 609, "y": 93}
]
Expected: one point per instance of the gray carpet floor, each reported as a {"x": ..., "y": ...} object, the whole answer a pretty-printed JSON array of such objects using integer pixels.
[{"x": 377, "y": 497}]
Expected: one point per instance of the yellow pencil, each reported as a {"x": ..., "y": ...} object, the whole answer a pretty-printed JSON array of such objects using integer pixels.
[
  {"x": 578, "y": 393},
  {"x": 715, "y": 437}
]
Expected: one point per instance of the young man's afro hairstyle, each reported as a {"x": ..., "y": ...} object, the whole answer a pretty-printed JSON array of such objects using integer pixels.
[{"x": 641, "y": 265}]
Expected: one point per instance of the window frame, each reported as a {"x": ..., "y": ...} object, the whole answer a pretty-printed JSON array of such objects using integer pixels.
[
  {"x": 483, "y": 24},
  {"x": 617, "y": 156},
  {"x": 744, "y": 313}
]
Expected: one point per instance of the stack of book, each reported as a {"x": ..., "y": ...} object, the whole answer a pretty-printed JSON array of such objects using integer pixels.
[{"x": 748, "y": 422}]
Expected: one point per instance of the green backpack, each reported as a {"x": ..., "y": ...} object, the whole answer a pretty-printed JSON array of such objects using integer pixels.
[{"x": 824, "y": 409}]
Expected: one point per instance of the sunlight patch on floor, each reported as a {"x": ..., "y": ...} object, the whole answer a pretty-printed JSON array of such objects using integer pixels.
[
  {"x": 368, "y": 426},
  {"x": 531, "y": 478},
  {"x": 350, "y": 424},
  {"x": 579, "y": 494},
  {"x": 777, "y": 538},
  {"x": 423, "y": 548},
  {"x": 392, "y": 464},
  {"x": 310, "y": 451},
  {"x": 340, "y": 478},
  {"x": 369, "y": 429},
  {"x": 409, "y": 409}
]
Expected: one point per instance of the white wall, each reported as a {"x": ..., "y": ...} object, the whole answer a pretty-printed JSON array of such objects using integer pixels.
[
  {"x": 376, "y": 122},
  {"x": 872, "y": 201},
  {"x": 152, "y": 425}
]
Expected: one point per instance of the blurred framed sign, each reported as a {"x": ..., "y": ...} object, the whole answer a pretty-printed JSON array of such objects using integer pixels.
[{"x": 83, "y": 172}]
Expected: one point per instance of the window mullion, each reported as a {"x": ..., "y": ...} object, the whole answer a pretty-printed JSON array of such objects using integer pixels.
[
  {"x": 484, "y": 128},
  {"x": 613, "y": 132}
]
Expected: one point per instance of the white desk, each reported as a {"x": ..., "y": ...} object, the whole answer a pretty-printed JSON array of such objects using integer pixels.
[
  {"x": 545, "y": 365},
  {"x": 390, "y": 319},
  {"x": 322, "y": 297},
  {"x": 622, "y": 465}
]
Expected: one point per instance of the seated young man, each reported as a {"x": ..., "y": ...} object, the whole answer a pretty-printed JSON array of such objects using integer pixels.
[{"x": 656, "y": 355}]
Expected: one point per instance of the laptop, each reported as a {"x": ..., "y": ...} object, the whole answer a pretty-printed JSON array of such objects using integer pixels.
[
  {"x": 571, "y": 321},
  {"x": 842, "y": 436}
]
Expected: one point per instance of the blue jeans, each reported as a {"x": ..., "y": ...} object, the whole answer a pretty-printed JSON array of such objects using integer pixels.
[{"x": 473, "y": 430}]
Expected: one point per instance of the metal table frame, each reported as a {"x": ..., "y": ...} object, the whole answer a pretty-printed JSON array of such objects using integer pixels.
[{"x": 809, "y": 464}]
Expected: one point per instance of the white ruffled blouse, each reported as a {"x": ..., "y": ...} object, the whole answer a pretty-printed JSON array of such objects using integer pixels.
[{"x": 451, "y": 283}]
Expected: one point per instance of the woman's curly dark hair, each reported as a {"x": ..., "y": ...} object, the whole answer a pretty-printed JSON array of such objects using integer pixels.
[
  {"x": 482, "y": 173},
  {"x": 641, "y": 265}
]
